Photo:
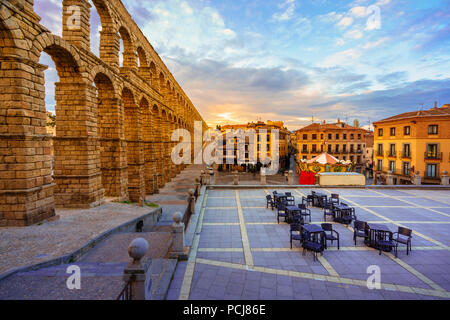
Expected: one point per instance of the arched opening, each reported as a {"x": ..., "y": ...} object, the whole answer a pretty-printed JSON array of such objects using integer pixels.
[
  {"x": 127, "y": 55},
  {"x": 142, "y": 58},
  {"x": 162, "y": 84},
  {"x": 135, "y": 152},
  {"x": 96, "y": 28},
  {"x": 108, "y": 131},
  {"x": 154, "y": 76}
]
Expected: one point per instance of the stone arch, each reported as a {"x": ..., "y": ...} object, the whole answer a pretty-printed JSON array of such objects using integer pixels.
[
  {"x": 142, "y": 57},
  {"x": 135, "y": 152},
  {"x": 129, "y": 54},
  {"x": 8, "y": 43},
  {"x": 154, "y": 76}
]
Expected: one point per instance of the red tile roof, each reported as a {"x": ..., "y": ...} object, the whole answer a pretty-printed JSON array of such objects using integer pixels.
[{"x": 434, "y": 112}]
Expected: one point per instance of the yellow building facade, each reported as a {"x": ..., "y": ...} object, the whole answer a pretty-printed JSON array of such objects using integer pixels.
[
  {"x": 414, "y": 142},
  {"x": 340, "y": 140}
]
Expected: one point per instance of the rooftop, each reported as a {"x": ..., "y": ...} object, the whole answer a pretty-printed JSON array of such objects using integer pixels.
[{"x": 433, "y": 112}]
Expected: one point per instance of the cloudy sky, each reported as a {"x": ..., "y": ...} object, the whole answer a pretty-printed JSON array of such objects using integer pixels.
[{"x": 291, "y": 60}]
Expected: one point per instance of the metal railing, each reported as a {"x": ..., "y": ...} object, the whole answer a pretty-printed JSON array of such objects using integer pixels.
[
  {"x": 127, "y": 292},
  {"x": 433, "y": 155}
]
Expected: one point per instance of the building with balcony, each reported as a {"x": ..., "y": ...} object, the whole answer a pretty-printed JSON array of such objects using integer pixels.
[
  {"x": 264, "y": 134},
  {"x": 344, "y": 142},
  {"x": 414, "y": 142}
]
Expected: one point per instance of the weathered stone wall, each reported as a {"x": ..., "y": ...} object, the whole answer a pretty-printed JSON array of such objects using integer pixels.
[{"x": 113, "y": 123}]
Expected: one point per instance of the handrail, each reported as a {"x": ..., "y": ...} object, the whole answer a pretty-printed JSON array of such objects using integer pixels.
[{"x": 127, "y": 292}]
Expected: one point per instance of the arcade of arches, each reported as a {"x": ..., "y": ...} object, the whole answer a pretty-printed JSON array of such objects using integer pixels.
[{"x": 113, "y": 121}]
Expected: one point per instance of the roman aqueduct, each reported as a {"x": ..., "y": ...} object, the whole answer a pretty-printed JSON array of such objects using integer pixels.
[{"x": 113, "y": 121}]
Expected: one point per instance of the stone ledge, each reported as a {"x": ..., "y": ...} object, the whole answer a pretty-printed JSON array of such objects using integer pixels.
[{"x": 77, "y": 254}]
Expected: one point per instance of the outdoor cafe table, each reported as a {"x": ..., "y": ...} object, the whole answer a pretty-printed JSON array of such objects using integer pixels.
[
  {"x": 340, "y": 212},
  {"x": 291, "y": 213},
  {"x": 279, "y": 196},
  {"x": 313, "y": 230},
  {"x": 376, "y": 232}
]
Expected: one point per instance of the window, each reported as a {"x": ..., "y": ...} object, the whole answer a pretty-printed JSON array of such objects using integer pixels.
[
  {"x": 337, "y": 136},
  {"x": 314, "y": 136},
  {"x": 359, "y": 159},
  {"x": 406, "y": 168},
  {"x": 344, "y": 148},
  {"x": 380, "y": 132},
  {"x": 433, "y": 129},
  {"x": 380, "y": 165},
  {"x": 337, "y": 148},
  {"x": 359, "y": 147},
  {"x": 392, "y": 166},
  {"x": 359, "y": 136},
  {"x": 352, "y": 148},
  {"x": 314, "y": 148},
  {"x": 380, "y": 149},
  {"x": 329, "y": 148},
  {"x": 321, "y": 136},
  {"x": 305, "y": 148},
  {"x": 305, "y": 137},
  {"x": 352, "y": 136},
  {"x": 407, "y": 131},
  {"x": 407, "y": 150},
  {"x": 392, "y": 150},
  {"x": 432, "y": 170},
  {"x": 392, "y": 132},
  {"x": 345, "y": 136},
  {"x": 352, "y": 158},
  {"x": 330, "y": 136},
  {"x": 432, "y": 151}
]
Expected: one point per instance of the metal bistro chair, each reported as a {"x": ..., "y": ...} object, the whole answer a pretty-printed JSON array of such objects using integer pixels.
[
  {"x": 350, "y": 217},
  {"x": 406, "y": 239},
  {"x": 314, "y": 246},
  {"x": 269, "y": 201},
  {"x": 328, "y": 210},
  {"x": 304, "y": 212},
  {"x": 333, "y": 235},
  {"x": 360, "y": 230},
  {"x": 281, "y": 211},
  {"x": 290, "y": 199},
  {"x": 308, "y": 200},
  {"x": 383, "y": 243},
  {"x": 334, "y": 198},
  {"x": 296, "y": 232}
]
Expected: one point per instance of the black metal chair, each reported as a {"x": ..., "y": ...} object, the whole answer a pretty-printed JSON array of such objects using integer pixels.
[
  {"x": 328, "y": 210},
  {"x": 296, "y": 232},
  {"x": 281, "y": 211},
  {"x": 350, "y": 216},
  {"x": 269, "y": 201},
  {"x": 334, "y": 198},
  {"x": 360, "y": 230},
  {"x": 333, "y": 236},
  {"x": 304, "y": 212},
  {"x": 384, "y": 244},
  {"x": 290, "y": 199},
  {"x": 314, "y": 246},
  {"x": 404, "y": 236},
  {"x": 308, "y": 200}
]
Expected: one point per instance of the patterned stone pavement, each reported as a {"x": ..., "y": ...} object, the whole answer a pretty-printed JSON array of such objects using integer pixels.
[{"x": 240, "y": 252}]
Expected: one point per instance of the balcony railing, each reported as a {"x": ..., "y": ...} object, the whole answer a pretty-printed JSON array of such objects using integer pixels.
[
  {"x": 380, "y": 153},
  {"x": 405, "y": 155},
  {"x": 391, "y": 154},
  {"x": 433, "y": 155}
]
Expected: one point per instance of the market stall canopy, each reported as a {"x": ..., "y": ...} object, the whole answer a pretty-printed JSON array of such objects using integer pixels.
[{"x": 324, "y": 158}]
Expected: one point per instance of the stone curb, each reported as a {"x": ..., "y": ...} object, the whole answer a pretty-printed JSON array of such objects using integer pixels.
[
  {"x": 190, "y": 233},
  {"x": 72, "y": 257}
]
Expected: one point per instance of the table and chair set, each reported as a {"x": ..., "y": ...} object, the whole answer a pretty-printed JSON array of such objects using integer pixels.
[{"x": 315, "y": 237}]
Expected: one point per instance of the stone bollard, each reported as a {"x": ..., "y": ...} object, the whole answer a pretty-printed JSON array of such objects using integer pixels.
[
  {"x": 235, "y": 178},
  {"x": 389, "y": 178},
  {"x": 177, "y": 250},
  {"x": 197, "y": 187},
  {"x": 445, "y": 179},
  {"x": 291, "y": 177},
  {"x": 417, "y": 179},
  {"x": 202, "y": 178},
  {"x": 263, "y": 177},
  {"x": 191, "y": 200},
  {"x": 135, "y": 270}
]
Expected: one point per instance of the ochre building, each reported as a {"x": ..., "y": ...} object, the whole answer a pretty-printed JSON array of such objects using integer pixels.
[
  {"x": 412, "y": 143},
  {"x": 339, "y": 139},
  {"x": 113, "y": 120}
]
